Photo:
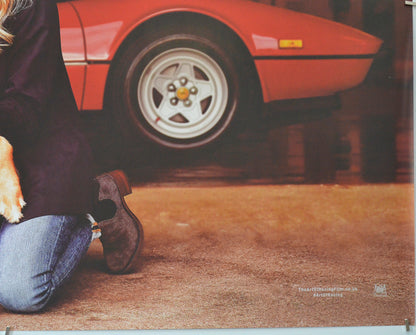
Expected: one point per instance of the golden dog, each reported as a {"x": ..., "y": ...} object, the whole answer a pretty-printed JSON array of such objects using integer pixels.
[{"x": 11, "y": 197}]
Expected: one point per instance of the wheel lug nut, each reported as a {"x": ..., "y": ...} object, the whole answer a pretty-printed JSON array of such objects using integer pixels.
[
  {"x": 187, "y": 103},
  {"x": 174, "y": 101},
  {"x": 171, "y": 88},
  {"x": 193, "y": 90},
  {"x": 183, "y": 81}
]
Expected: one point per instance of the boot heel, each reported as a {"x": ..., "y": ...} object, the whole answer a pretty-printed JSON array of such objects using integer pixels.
[{"x": 121, "y": 181}]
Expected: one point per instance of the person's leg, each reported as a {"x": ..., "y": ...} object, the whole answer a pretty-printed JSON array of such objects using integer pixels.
[{"x": 36, "y": 256}]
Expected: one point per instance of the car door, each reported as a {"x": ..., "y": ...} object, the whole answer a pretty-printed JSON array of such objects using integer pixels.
[{"x": 73, "y": 48}]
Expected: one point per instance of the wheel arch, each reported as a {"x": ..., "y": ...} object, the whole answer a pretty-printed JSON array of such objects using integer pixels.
[{"x": 198, "y": 20}]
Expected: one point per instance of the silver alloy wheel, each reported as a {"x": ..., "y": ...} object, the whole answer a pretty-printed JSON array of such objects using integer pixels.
[{"x": 182, "y": 93}]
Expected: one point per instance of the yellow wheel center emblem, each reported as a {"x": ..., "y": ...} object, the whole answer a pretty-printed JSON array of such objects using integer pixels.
[{"x": 182, "y": 93}]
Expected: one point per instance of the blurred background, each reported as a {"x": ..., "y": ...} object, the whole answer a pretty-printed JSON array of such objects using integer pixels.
[{"x": 368, "y": 138}]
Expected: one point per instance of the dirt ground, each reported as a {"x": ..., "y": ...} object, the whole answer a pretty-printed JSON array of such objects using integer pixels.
[{"x": 251, "y": 256}]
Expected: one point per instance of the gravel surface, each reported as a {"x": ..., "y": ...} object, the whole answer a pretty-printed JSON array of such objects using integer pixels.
[{"x": 251, "y": 256}]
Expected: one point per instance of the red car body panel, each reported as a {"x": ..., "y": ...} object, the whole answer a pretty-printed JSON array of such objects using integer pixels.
[
  {"x": 73, "y": 49},
  {"x": 95, "y": 81},
  {"x": 294, "y": 77},
  {"x": 334, "y": 57}
]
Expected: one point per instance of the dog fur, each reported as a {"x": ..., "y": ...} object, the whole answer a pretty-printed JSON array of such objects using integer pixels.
[{"x": 11, "y": 197}]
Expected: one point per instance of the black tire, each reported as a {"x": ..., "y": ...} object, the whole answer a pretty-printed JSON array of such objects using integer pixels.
[{"x": 210, "y": 60}]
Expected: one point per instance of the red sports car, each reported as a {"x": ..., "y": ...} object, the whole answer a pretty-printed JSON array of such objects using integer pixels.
[{"x": 180, "y": 72}]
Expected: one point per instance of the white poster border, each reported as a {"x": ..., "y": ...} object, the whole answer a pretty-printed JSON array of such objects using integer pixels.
[{"x": 375, "y": 330}]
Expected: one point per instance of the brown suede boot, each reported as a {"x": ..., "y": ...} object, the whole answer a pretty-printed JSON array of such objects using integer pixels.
[{"x": 122, "y": 232}]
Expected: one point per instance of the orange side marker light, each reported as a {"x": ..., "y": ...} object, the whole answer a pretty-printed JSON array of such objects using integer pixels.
[{"x": 290, "y": 44}]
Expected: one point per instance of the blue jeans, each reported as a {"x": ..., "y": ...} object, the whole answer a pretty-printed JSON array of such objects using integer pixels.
[{"x": 37, "y": 256}]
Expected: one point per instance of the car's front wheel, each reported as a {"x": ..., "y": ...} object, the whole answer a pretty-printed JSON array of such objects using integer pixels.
[{"x": 180, "y": 90}]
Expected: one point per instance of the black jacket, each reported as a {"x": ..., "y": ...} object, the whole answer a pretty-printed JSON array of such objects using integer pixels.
[{"x": 38, "y": 115}]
